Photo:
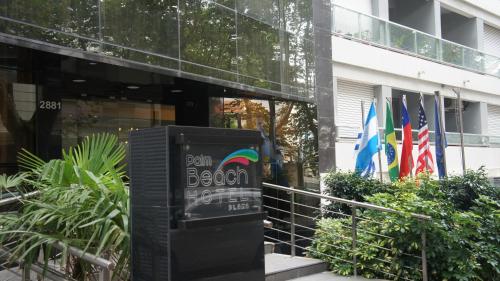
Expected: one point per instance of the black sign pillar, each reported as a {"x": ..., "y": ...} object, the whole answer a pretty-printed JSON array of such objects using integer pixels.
[{"x": 196, "y": 204}]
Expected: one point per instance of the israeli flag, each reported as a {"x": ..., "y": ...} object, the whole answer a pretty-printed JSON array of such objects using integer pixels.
[{"x": 368, "y": 145}]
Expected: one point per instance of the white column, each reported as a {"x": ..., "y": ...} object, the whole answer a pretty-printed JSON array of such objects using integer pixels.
[{"x": 382, "y": 93}]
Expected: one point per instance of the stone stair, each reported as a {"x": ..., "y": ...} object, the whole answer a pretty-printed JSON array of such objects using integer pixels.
[{"x": 284, "y": 267}]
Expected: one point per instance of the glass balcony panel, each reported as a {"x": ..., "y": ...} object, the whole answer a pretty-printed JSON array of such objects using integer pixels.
[
  {"x": 452, "y": 53},
  {"x": 427, "y": 45},
  {"x": 473, "y": 59},
  {"x": 492, "y": 65},
  {"x": 372, "y": 29},
  {"x": 346, "y": 22},
  {"x": 402, "y": 38}
]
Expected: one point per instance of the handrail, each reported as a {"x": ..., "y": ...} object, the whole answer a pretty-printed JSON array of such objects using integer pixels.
[
  {"x": 465, "y": 57},
  {"x": 289, "y": 213},
  {"x": 106, "y": 265},
  {"x": 93, "y": 259},
  {"x": 14, "y": 199},
  {"x": 415, "y": 30},
  {"x": 351, "y": 203}
]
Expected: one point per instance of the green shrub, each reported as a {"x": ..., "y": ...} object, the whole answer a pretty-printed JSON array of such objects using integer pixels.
[
  {"x": 351, "y": 186},
  {"x": 463, "y": 190},
  {"x": 461, "y": 245},
  {"x": 83, "y": 202}
]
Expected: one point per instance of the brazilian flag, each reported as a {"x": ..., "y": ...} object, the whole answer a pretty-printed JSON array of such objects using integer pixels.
[{"x": 391, "y": 147}]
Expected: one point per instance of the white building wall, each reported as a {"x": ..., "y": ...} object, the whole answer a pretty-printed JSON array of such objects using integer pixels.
[
  {"x": 475, "y": 158},
  {"x": 363, "y": 6},
  {"x": 378, "y": 66}
]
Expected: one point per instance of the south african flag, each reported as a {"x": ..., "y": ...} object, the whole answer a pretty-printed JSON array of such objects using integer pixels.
[{"x": 391, "y": 147}]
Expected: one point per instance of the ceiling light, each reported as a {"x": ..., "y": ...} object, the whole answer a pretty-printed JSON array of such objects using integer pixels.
[
  {"x": 132, "y": 87},
  {"x": 79, "y": 80},
  {"x": 176, "y": 91},
  {"x": 92, "y": 63}
]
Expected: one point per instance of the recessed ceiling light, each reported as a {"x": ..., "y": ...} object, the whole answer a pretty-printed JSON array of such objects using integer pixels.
[
  {"x": 132, "y": 87},
  {"x": 79, "y": 80},
  {"x": 176, "y": 91}
]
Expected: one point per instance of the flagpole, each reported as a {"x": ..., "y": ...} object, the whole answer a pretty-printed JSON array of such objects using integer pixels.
[
  {"x": 461, "y": 125},
  {"x": 443, "y": 132},
  {"x": 379, "y": 148},
  {"x": 363, "y": 115}
]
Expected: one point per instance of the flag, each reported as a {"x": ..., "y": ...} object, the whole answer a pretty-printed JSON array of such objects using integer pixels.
[
  {"x": 371, "y": 168},
  {"x": 406, "y": 165},
  {"x": 440, "y": 161},
  {"x": 369, "y": 145},
  {"x": 391, "y": 147},
  {"x": 425, "y": 160}
]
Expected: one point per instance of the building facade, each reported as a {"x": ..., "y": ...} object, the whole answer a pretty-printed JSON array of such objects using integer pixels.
[
  {"x": 294, "y": 69},
  {"x": 383, "y": 49},
  {"x": 69, "y": 69}
]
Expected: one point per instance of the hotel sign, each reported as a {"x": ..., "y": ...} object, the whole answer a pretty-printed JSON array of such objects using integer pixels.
[{"x": 221, "y": 180}]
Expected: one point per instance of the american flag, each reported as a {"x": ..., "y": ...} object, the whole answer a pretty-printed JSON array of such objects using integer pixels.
[{"x": 424, "y": 161}]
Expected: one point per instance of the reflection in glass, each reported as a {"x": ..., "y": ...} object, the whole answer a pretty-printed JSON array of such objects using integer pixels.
[
  {"x": 81, "y": 118},
  {"x": 259, "y": 54},
  {"x": 144, "y": 25},
  {"x": 74, "y": 17},
  {"x": 17, "y": 118},
  {"x": 402, "y": 38},
  {"x": 208, "y": 36}
]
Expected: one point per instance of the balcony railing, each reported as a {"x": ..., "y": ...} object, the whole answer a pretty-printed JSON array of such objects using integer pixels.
[
  {"x": 352, "y": 24},
  {"x": 453, "y": 138}
]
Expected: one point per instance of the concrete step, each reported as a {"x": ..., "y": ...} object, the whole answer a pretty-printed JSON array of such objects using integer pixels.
[
  {"x": 268, "y": 247},
  {"x": 328, "y": 276},
  {"x": 283, "y": 267}
]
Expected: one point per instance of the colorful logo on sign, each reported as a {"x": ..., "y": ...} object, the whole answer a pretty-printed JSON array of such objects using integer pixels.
[{"x": 242, "y": 156}]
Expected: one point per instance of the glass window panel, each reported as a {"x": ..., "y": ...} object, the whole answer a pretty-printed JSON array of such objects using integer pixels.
[
  {"x": 402, "y": 38},
  {"x": 298, "y": 17},
  {"x": 263, "y": 10},
  {"x": 295, "y": 160},
  {"x": 144, "y": 25},
  {"x": 78, "y": 17},
  {"x": 452, "y": 53},
  {"x": 258, "y": 52},
  {"x": 17, "y": 106},
  {"x": 372, "y": 29},
  {"x": 81, "y": 118},
  {"x": 299, "y": 62},
  {"x": 208, "y": 36},
  {"x": 473, "y": 59},
  {"x": 228, "y": 3},
  {"x": 492, "y": 65},
  {"x": 346, "y": 22},
  {"x": 427, "y": 45}
]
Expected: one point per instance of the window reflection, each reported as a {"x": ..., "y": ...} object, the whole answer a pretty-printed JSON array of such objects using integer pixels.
[
  {"x": 290, "y": 146},
  {"x": 81, "y": 118},
  {"x": 17, "y": 108}
]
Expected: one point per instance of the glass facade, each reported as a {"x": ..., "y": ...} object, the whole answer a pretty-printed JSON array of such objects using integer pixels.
[
  {"x": 266, "y": 45},
  {"x": 49, "y": 102}
]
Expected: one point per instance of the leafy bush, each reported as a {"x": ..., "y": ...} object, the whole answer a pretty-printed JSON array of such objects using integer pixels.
[
  {"x": 83, "y": 202},
  {"x": 461, "y": 245},
  {"x": 463, "y": 190},
  {"x": 351, "y": 186}
]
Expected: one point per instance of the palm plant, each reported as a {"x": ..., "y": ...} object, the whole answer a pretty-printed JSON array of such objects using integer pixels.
[
  {"x": 83, "y": 202},
  {"x": 10, "y": 182}
]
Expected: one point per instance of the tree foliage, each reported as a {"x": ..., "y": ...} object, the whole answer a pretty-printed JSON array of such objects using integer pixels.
[{"x": 463, "y": 234}]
